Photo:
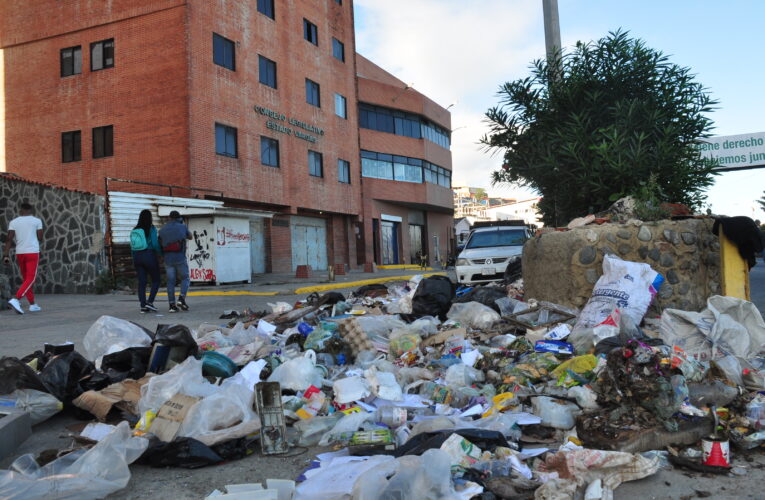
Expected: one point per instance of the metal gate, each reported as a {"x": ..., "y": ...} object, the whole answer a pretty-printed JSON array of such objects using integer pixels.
[
  {"x": 257, "y": 246},
  {"x": 389, "y": 239},
  {"x": 415, "y": 243},
  {"x": 309, "y": 242}
]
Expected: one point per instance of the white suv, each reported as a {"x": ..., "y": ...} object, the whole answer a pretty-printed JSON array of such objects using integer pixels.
[{"x": 487, "y": 252}]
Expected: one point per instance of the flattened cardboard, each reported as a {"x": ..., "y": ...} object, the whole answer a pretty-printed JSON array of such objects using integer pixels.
[{"x": 171, "y": 416}]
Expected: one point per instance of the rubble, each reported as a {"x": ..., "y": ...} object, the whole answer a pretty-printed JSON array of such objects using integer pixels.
[{"x": 421, "y": 393}]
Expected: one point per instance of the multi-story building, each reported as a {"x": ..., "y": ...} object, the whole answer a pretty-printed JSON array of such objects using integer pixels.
[{"x": 254, "y": 103}]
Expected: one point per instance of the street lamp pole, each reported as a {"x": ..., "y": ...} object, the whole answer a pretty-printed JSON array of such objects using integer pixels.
[{"x": 552, "y": 27}]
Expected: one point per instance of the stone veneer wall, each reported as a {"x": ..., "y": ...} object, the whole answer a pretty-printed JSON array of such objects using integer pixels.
[
  {"x": 563, "y": 266},
  {"x": 72, "y": 253}
]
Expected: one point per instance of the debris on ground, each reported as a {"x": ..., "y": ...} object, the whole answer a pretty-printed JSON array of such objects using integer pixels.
[{"x": 420, "y": 390}]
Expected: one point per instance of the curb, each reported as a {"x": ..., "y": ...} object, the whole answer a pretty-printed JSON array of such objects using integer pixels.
[
  {"x": 222, "y": 293},
  {"x": 353, "y": 284},
  {"x": 404, "y": 267}
]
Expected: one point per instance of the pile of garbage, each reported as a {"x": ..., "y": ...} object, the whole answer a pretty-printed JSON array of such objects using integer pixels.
[{"x": 418, "y": 392}]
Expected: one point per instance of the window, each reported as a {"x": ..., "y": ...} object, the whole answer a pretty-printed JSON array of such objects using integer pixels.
[
  {"x": 390, "y": 167},
  {"x": 71, "y": 146},
  {"x": 402, "y": 123},
  {"x": 338, "y": 50},
  {"x": 225, "y": 140},
  {"x": 223, "y": 52},
  {"x": 312, "y": 94},
  {"x": 339, "y": 2},
  {"x": 343, "y": 171},
  {"x": 315, "y": 164},
  {"x": 269, "y": 151},
  {"x": 267, "y": 69},
  {"x": 102, "y": 55},
  {"x": 437, "y": 175},
  {"x": 266, "y": 7},
  {"x": 310, "y": 32},
  {"x": 103, "y": 141},
  {"x": 71, "y": 61},
  {"x": 341, "y": 106},
  {"x": 436, "y": 134}
]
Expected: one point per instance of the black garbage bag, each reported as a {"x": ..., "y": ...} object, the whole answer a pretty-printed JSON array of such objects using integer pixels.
[
  {"x": 235, "y": 449},
  {"x": 183, "y": 452},
  {"x": 176, "y": 336},
  {"x": 513, "y": 271},
  {"x": 15, "y": 374},
  {"x": 486, "y": 295},
  {"x": 332, "y": 298},
  {"x": 433, "y": 297},
  {"x": 129, "y": 363},
  {"x": 486, "y": 440},
  {"x": 67, "y": 375},
  {"x": 374, "y": 290}
]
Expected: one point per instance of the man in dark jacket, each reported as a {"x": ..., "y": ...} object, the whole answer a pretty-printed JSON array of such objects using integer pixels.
[{"x": 173, "y": 236}]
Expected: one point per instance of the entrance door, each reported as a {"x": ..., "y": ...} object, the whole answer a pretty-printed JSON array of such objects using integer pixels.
[
  {"x": 309, "y": 242},
  {"x": 415, "y": 243},
  {"x": 389, "y": 242},
  {"x": 257, "y": 246}
]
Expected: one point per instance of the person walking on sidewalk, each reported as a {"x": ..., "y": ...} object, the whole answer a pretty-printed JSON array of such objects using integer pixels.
[
  {"x": 173, "y": 236},
  {"x": 144, "y": 245},
  {"x": 26, "y": 232}
]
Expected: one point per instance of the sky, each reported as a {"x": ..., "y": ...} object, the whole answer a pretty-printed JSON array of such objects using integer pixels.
[{"x": 459, "y": 53}]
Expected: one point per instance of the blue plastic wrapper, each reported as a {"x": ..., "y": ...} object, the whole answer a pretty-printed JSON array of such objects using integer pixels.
[
  {"x": 554, "y": 346},
  {"x": 305, "y": 329}
]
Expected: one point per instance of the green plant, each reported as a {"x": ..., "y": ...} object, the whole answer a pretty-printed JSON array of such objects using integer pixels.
[
  {"x": 648, "y": 200},
  {"x": 591, "y": 125},
  {"x": 761, "y": 201},
  {"x": 104, "y": 282}
]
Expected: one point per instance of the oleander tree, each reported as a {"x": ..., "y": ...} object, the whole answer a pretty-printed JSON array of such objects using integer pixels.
[{"x": 607, "y": 119}]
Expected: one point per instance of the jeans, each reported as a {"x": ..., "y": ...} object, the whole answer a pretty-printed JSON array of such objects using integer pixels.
[
  {"x": 179, "y": 270},
  {"x": 146, "y": 263}
]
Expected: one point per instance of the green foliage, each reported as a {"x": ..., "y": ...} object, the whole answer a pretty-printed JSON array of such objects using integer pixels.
[
  {"x": 595, "y": 124},
  {"x": 480, "y": 194},
  {"x": 648, "y": 201},
  {"x": 761, "y": 201}
]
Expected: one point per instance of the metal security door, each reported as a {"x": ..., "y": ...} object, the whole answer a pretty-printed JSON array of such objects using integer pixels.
[
  {"x": 309, "y": 242},
  {"x": 201, "y": 250},
  {"x": 257, "y": 246},
  {"x": 389, "y": 242},
  {"x": 415, "y": 243}
]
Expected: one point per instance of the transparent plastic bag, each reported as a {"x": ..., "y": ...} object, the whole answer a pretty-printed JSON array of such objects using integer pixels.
[
  {"x": 473, "y": 314},
  {"x": 222, "y": 416},
  {"x": 350, "y": 389},
  {"x": 461, "y": 375},
  {"x": 555, "y": 413},
  {"x": 80, "y": 475},
  {"x": 312, "y": 429},
  {"x": 380, "y": 326},
  {"x": 347, "y": 424},
  {"x": 40, "y": 405},
  {"x": 109, "y": 334},
  {"x": 425, "y": 477},
  {"x": 298, "y": 374},
  {"x": 185, "y": 378}
]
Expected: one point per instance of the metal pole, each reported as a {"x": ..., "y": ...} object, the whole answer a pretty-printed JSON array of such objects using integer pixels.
[{"x": 552, "y": 27}]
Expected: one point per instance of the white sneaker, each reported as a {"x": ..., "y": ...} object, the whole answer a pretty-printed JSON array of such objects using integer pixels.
[
  {"x": 33, "y": 308},
  {"x": 14, "y": 303}
]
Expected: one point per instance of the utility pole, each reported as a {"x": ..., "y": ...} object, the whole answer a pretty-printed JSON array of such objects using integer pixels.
[{"x": 552, "y": 27}]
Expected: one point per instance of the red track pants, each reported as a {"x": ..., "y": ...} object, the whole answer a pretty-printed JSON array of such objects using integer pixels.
[{"x": 28, "y": 266}]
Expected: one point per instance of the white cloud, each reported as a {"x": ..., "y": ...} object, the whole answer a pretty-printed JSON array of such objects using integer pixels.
[{"x": 455, "y": 51}]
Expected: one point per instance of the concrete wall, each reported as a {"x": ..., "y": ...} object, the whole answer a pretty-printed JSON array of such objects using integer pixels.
[
  {"x": 72, "y": 253},
  {"x": 562, "y": 267}
]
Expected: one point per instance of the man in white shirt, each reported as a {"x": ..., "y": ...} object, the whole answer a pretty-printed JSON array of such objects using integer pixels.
[{"x": 26, "y": 232}]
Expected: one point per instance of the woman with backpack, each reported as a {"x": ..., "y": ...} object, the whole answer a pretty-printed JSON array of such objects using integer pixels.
[{"x": 144, "y": 244}]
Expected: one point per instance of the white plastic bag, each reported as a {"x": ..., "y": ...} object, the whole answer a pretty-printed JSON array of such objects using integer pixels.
[
  {"x": 384, "y": 385},
  {"x": 40, "y": 405},
  {"x": 222, "y": 416},
  {"x": 298, "y": 374},
  {"x": 109, "y": 334},
  {"x": 462, "y": 375},
  {"x": 380, "y": 326},
  {"x": 185, "y": 378},
  {"x": 349, "y": 423},
  {"x": 474, "y": 315},
  {"x": 280, "y": 307},
  {"x": 80, "y": 475},
  {"x": 555, "y": 412},
  {"x": 628, "y": 286},
  {"x": 428, "y": 476},
  {"x": 350, "y": 389}
]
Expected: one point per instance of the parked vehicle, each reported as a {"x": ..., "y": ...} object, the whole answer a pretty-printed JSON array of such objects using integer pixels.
[{"x": 488, "y": 251}]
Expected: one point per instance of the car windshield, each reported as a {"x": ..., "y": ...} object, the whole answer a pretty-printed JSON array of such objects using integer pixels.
[{"x": 499, "y": 238}]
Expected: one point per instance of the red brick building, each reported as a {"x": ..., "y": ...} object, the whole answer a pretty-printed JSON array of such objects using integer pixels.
[{"x": 254, "y": 103}]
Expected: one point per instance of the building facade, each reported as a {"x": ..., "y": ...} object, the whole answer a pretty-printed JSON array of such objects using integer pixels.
[{"x": 262, "y": 104}]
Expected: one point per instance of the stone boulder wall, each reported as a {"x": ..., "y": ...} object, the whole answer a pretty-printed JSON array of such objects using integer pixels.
[{"x": 563, "y": 266}]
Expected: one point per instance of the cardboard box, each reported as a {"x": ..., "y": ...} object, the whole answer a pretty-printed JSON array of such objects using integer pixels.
[{"x": 171, "y": 415}]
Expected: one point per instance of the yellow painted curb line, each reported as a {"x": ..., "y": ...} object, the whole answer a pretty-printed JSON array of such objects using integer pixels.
[
  {"x": 405, "y": 267},
  {"x": 213, "y": 293},
  {"x": 353, "y": 284}
]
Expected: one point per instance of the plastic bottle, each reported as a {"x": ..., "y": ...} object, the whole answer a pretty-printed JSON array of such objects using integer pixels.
[
  {"x": 392, "y": 416},
  {"x": 708, "y": 394}
]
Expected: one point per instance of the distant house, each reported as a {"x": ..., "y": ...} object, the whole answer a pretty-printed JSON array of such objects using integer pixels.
[{"x": 462, "y": 228}]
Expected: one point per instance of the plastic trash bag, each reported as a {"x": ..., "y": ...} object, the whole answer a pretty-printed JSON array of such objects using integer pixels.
[
  {"x": 461, "y": 375},
  {"x": 185, "y": 378},
  {"x": 347, "y": 424},
  {"x": 350, "y": 389},
  {"x": 176, "y": 335},
  {"x": 380, "y": 326},
  {"x": 486, "y": 295},
  {"x": 181, "y": 452},
  {"x": 109, "y": 334},
  {"x": 15, "y": 374},
  {"x": 80, "y": 475},
  {"x": 628, "y": 286},
  {"x": 222, "y": 416},
  {"x": 40, "y": 405},
  {"x": 130, "y": 363},
  {"x": 474, "y": 315},
  {"x": 555, "y": 412},
  {"x": 433, "y": 297},
  {"x": 66, "y": 376},
  {"x": 298, "y": 374},
  {"x": 384, "y": 384}
]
